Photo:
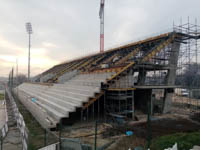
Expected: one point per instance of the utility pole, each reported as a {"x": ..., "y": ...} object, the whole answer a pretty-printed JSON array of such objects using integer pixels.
[
  {"x": 17, "y": 76},
  {"x": 16, "y": 71},
  {"x": 29, "y": 31},
  {"x": 101, "y": 16}
]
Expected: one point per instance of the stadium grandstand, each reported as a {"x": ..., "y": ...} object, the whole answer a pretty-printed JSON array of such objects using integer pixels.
[{"x": 115, "y": 83}]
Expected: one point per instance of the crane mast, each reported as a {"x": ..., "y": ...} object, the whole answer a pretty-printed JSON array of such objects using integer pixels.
[{"x": 101, "y": 16}]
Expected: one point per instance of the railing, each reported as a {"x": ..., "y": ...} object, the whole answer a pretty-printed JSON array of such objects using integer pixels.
[
  {"x": 4, "y": 129},
  {"x": 20, "y": 121}
]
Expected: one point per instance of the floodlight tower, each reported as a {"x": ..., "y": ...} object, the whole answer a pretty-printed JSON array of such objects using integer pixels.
[
  {"x": 101, "y": 16},
  {"x": 29, "y": 31}
]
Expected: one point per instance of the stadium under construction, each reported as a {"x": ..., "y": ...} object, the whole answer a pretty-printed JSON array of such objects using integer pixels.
[{"x": 111, "y": 84}]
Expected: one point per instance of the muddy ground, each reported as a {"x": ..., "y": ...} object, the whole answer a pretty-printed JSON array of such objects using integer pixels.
[{"x": 112, "y": 133}]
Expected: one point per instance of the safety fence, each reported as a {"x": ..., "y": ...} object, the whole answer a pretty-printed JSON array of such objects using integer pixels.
[
  {"x": 4, "y": 129},
  {"x": 20, "y": 121}
]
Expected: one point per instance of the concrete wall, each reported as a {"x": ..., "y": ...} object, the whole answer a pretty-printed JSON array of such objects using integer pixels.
[{"x": 171, "y": 76}]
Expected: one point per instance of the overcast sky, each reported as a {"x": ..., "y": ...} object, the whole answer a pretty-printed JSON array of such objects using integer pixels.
[{"x": 65, "y": 29}]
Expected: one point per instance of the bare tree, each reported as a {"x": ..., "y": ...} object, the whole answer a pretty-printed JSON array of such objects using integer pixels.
[
  {"x": 190, "y": 77},
  {"x": 20, "y": 79}
]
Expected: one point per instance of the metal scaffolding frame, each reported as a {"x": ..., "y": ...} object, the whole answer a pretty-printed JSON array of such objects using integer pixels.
[{"x": 188, "y": 59}]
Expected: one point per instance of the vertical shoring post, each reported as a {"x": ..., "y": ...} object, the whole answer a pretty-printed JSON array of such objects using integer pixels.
[
  {"x": 60, "y": 134},
  {"x": 45, "y": 137},
  {"x": 149, "y": 130},
  {"x": 95, "y": 138},
  {"x": 81, "y": 115},
  {"x": 93, "y": 110},
  {"x": 126, "y": 103},
  {"x": 98, "y": 108},
  {"x": 105, "y": 92},
  {"x": 87, "y": 113},
  {"x": 133, "y": 104},
  {"x": 119, "y": 92}
]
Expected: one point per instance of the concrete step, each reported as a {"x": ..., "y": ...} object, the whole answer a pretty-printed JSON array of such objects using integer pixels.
[
  {"x": 69, "y": 94},
  {"x": 70, "y": 101},
  {"x": 87, "y": 90},
  {"x": 49, "y": 102},
  {"x": 85, "y": 83},
  {"x": 52, "y": 112},
  {"x": 33, "y": 89},
  {"x": 82, "y": 87},
  {"x": 91, "y": 77},
  {"x": 56, "y": 103},
  {"x": 29, "y": 91}
]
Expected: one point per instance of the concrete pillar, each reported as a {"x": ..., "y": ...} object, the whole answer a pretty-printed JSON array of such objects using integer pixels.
[
  {"x": 173, "y": 60},
  {"x": 141, "y": 77},
  {"x": 171, "y": 76}
]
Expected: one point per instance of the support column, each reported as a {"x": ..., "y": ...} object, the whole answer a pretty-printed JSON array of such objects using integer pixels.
[
  {"x": 152, "y": 102},
  {"x": 141, "y": 77},
  {"x": 133, "y": 105},
  {"x": 171, "y": 76},
  {"x": 167, "y": 100}
]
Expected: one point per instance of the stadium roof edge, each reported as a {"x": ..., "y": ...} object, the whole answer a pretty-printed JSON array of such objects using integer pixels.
[{"x": 116, "y": 48}]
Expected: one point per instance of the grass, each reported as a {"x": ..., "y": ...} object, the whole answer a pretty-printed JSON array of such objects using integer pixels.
[
  {"x": 184, "y": 141},
  {"x": 36, "y": 132},
  {"x": 1, "y": 96}
]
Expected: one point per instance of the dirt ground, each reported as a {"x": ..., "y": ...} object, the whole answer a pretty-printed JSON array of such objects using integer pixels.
[{"x": 114, "y": 135}]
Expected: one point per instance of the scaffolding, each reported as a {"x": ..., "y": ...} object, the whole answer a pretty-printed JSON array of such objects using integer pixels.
[{"x": 186, "y": 97}]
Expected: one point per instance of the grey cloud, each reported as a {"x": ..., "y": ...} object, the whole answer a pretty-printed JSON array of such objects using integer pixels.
[{"x": 73, "y": 25}]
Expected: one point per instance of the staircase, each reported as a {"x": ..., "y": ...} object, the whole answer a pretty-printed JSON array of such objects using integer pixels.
[{"x": 60, "y": 100}]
